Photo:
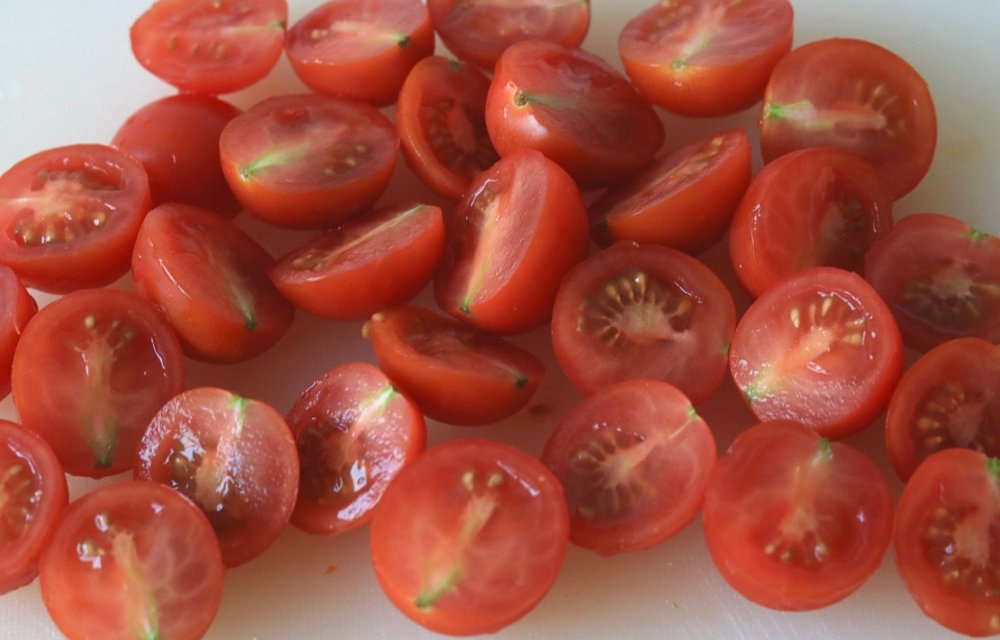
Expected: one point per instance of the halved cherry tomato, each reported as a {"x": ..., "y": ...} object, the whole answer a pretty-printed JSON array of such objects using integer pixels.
[
  {"x": 132, "y": 560},
  {"x": 453, "y": 373},
  {"x": 940, "y": 277},
  {"x": 69, "y": 216},
  {"x": 234, "y": 457},
  {"x": 360, "y": 49},
  {"x": 815, "y": 207},
  {"x": 210, "y": 46},
  {"x": 857, "y": 96},
  {"x": 470, "y": 537},
  {"x": 520, "y": 228},
  {"x": 685, "y": 200},
  {"x": 634, "y": 460},
  {"x": 355, "y": 432},
  {"x": 643, "y": 311},
  {"x": 706, "y": 57},
  {"x": 794, "y": 521},
  {"x": 109, "y": 361},
  {"x": 17, "y": 307},
  {"x": 308, "y": 160},
  {"x": 819, "y": 348}
]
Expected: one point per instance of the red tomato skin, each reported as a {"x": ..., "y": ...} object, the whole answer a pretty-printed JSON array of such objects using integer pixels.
[{"x": 17, "y": 307}]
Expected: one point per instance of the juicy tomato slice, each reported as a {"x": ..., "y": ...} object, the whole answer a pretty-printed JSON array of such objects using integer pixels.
[
  {"x": 634, "y": 460},
  {"x": 520, "y": 228},
  {"x": 355, "y": 432},
  {"x": 643, "y": 311},
  {"x": 69, "y": 216},
  {"x": 360, "y": 49},
  {"x": 573, "y": 107},
  {"x": 685, "y": 200},
  {"x": 132, "y": 560},
  {"x": 793, "y": 521},
  {"x": 177, "y": 141},
  {"x": 470, "y": 537},
  {"x": 211, "y": 281},
  {"x": 940, "y": 277},
  {"x": 857, "y": 96},
  {"x": 232, "y": 456},
  {"x": 441, "y": 116},
  {"x": 815, "y": 207},
  {"x": 17, "y": 307},
  {"x": 479, "y": 31},
  {"x": 819, "y": 348},
  {"x": 109, "y": 361},
  {"x": 210, "y": 46},
  {"x": 706, "y": 57},
  {"x": 455, "y": 374},
  {"x": 367, "y": 264},
  {"x": 949, "y": 397},
  {"x": 308, "y": 160},
  {"x": 33, "y": 494}
]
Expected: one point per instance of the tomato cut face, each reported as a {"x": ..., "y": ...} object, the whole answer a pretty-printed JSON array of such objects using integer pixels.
[
  {"x": 17, "y": 307},
  {"x": 706, "y": 57},
  {"x": 634, "y": 460},
  {"x": 69, "y": 216},
  {"x": 793, "y": 521},
  {"x": 210, "y": 46},
  {"x": 132, "y": 560},
  {"x": 856, "y": 96},
  {"x": 470, "y": 537}
]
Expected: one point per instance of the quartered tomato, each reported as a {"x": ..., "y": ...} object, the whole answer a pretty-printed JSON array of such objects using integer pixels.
[{"x": 16, "y": 308}]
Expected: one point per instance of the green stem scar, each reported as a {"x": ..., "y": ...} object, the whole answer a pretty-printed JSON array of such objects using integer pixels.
[{"x": 275, "y": 157}]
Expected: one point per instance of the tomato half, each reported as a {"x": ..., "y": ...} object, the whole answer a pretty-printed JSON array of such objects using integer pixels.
[
  {"x": 470, "y": 537},
  {"x": 17, "y": 307}
]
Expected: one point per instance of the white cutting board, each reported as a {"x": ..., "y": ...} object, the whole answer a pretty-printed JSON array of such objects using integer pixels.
[{"x": 67, "y": 76}]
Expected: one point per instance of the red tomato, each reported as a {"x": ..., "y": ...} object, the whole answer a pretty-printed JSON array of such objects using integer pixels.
[
  {"x": 573, "y": 107},
  {"x": 793, "y": 521},
  {"x": 470, "y": 537},
  {"x": 360, "y": 49},
  {"x": 211, "y": 281},
  {"x": 355, "y": 432},
  {"x": 132, "y": 560},
  {"x": 16, "y": 308},
  {"x": 234, "y": 457},
  {"x": 441, "y": 116},
  {"x": 308, "y": 160},
  {"x": 33, "y": 494},
  {"x": 706, "y": 57},
  {"x": 857, "y": 96},
  {"x": 69, "y": 216},
  {"x": 210, "y": 46},
  {"x": 643, "y": 311},
  {"x": 808, "y": 208},
  {"x": 479, "y": 31},
  {"x": 109, "y": 361},
  {"x": 520, "y": 228},
  {"x": 819, "y": 348},
  {"x": 177, "y": 141},
  {"x": 685, "y": 200},
  {"x": 369, "y": 263},
  {"x": 940, "y": 277},
  {"x": 453, "y": 373},
  {"x": 634, "y": 460}
]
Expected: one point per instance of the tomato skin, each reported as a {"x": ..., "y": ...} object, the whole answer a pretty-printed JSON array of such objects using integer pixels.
[{"x": 17, "y": 307}]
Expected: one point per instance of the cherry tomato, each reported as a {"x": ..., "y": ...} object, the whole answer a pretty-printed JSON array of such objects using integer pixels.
[
  {"x": 470, "y": 537},
  {"x": 308, "y": 160},
  {"x": 132, "y": 560},
  {"x": 210, "y": 46},
  {"x": 643, "y": 311},
  {"x": 706, "y": 57},
  {"x": 857, "y": 96},
  {"x": 808, "y": 208},
  {"x": 109, "y": 361},
  {"x": 794, "y": 521},
  {"x": 634, "y": 460},
  {"x": 360, "y": 49},
  {"x": 69, "y": 216},
  {"x": 355, "y": 432},
  {"x": 17, "y": 307},
  {"x": 519, "y": 229}
]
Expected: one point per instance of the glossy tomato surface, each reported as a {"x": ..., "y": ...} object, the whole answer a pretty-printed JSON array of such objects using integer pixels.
[{"x": 17, "y": 307}]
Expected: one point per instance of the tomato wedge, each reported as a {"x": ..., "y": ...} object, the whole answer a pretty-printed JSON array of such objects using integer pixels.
[{"x": 17, "y": 307}]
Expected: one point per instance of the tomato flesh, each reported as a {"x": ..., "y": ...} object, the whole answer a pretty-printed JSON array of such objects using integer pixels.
[{"x": 17, "y": 307}]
